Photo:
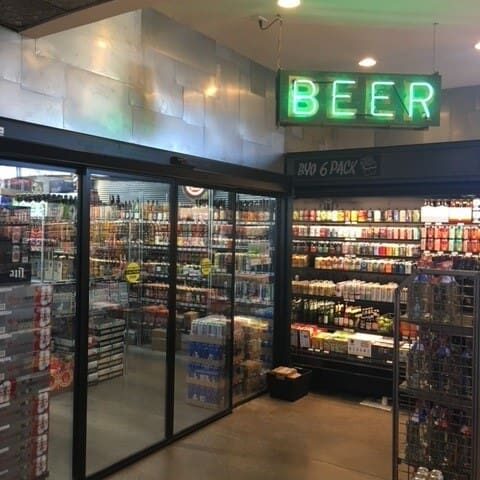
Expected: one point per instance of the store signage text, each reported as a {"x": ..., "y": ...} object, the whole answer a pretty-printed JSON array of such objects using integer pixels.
[
  {"x": 358, "y": 99},
  {"x": 367, "y": 166}
]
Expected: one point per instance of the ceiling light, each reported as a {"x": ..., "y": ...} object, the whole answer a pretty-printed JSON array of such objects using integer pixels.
[
  {"x": 288, "y": 3},
  {"x": 367, "y": 62},
  {"x": 477, "y": 46}
]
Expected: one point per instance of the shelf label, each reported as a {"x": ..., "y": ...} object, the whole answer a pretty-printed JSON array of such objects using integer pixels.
[
  {"x": 205, "y": 266},
  {"x": 132, "y": 273},
  {"x": 365, "y": 166}
]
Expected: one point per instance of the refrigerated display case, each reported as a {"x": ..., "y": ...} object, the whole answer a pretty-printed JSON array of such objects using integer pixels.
[
  {"x": 38, "y": 223},
  {"x": 205, "y": 249},
  {"x": 136, "y": 286},
  {"x": 254, "y": 293}
]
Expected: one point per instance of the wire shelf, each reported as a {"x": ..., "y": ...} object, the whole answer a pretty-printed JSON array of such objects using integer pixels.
[{"x": 435, "y": 416}]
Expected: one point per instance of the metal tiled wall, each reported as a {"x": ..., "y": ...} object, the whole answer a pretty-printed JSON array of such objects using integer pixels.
[
  {"x": 143, "y": 78},
  {"x": 459, "y": 120}
]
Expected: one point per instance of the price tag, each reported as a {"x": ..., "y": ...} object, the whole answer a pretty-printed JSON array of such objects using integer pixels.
[
  {"x": 205, "y": 266},
  {"x": 132, "y": 273}
]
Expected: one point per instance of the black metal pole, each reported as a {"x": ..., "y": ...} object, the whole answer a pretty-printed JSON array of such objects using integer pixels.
[
  {"x": 284, "y": 283},
  {"x": 395, "y": 384},
  {"x": 476, "y": 382},
  {"x": 81, "y": 329},
  {"x": 233, "y": 209},
  {"x": 172, "y": 315}
]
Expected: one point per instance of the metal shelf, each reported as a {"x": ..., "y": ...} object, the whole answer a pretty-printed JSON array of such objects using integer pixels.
[
  {"x": 316, "y": 359},
  {"x": 440, "y": 398},
  {"x": 365, "y": 302},
  {"x": 349, "y": 273},
  {"x": 460, "y": 330}
]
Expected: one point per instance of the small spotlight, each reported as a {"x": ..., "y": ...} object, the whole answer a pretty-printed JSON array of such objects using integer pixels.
[
  {"x": 288, "y": 3},
  {"x": 477, "y": 46}
]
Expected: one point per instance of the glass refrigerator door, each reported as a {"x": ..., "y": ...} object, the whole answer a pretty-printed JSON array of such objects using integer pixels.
[
  {"x": 129, "y": 261},
  {"x": 38, "y": 229},
  {"x": 204, "y": 307},
  {"x": 254, "y": 293}
]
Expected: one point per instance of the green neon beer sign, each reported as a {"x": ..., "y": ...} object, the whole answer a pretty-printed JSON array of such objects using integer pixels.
[{"x": 358, "y": 99}]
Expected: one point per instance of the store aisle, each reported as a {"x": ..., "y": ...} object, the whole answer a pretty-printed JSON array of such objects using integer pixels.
[{"x": 318, "y": 437}]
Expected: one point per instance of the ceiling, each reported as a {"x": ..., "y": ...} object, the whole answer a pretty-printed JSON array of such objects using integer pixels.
[
  {"x": 21, "y": 14},
  {"x": 336, "y": 34},
  {"x": 332, "y": 34}
]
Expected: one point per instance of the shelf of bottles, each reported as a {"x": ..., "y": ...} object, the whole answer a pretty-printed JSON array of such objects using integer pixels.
[
  {"x": 204, "y": 256},
  {"x": 347, "y": 265},
  {"x": 254, "y": 293},
  {"x": 126, "y": 233},
  {"x": 436, "y": 402}
]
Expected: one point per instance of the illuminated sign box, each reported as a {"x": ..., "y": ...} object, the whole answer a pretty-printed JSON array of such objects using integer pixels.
[{"x": 358, "y": 99}]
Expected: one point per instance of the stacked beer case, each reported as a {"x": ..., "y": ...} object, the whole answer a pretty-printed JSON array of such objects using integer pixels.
[
  {"x": 207, "y": 376},
  {"x": 25, "y": 337}
]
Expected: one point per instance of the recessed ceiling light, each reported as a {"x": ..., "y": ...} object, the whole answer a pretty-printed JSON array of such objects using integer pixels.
[
  {"x": 367, "y": 62},
  {"x": 288, "y": 3},
  {"x": 477, "y": 46}
]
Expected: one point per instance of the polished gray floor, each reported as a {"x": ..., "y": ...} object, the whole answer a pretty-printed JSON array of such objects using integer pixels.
[
  {"x": 125, "y": 414},
  {"x": 315, "y": 438}
]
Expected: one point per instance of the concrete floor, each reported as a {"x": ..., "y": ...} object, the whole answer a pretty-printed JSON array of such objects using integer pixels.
[
  {"x": 315, "y": 438},
  {"x": 125, "y": 414}
]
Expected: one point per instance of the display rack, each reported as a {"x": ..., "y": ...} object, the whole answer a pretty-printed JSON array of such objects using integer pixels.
[
  {"x": 436, "y": 405},
  {"x": 346, "y": 266},
  {"x": 53, "y": 251},
  {"x": 254, "y": 294},
  {"x": 207, "y": 369},
  {"x": 25, "y": 337}
]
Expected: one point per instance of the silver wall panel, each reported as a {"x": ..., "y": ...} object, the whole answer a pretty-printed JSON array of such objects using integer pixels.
[
  {"x": 169, "y": 133},
  {"x": 10, "y": 55},
  {"x": 260, "y": 156},
  {"x": 178, "y": 41},
  {"x": 41, "y": 74},
  {"x": 222, "y": 137},
  {"x": 160, "y": 92},
  {"x": 243, "y": 63},
  {"x": 193, "y": 78},
  {"x": 21, "y": 104},
  {"x": 110, "y": 48},
  {"x": 388, "y": 137},
  {"x": 193, "y": 107},
  {"x": 253, "y": 122},
  {"x": 258, "y": 79},
  {"x": 357, "y": 136},
  {"x": 97, "y": 105}
]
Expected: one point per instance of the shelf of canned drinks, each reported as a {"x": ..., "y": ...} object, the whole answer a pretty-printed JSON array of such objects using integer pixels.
[
  {"x": 358, "y": 216},
  {"x": 358, "y": 231},
  {"x": 350, "y": 290},
  {"x": 358, "y": 223},
  {"x": 360, "y": 264},
  {"x": 365, "y": 248}
]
